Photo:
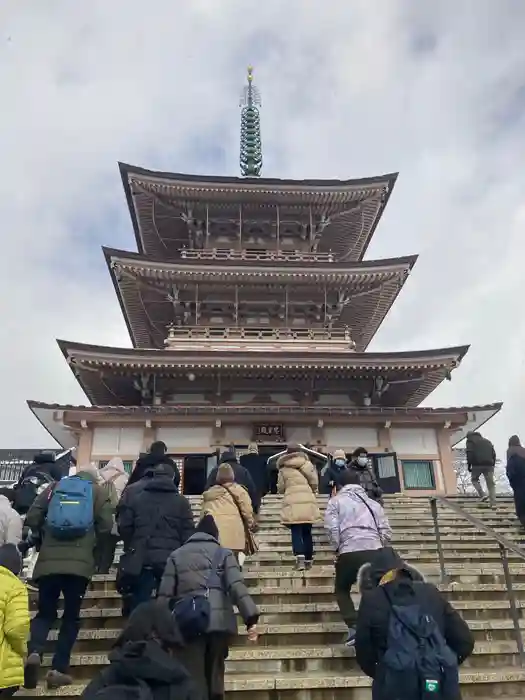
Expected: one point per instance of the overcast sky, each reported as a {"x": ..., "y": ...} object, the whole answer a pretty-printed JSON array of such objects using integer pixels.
[{"x": 435, "y": 90}]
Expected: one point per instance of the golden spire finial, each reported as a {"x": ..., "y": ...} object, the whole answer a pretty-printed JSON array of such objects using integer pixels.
[{"x": 250, "y": 74}]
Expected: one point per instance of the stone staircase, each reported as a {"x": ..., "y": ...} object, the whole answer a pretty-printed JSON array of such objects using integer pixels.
[{"x": 300, "y": 654}]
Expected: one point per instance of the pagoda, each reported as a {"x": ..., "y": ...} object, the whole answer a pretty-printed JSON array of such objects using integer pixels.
[{"x": 250, "y": 310}]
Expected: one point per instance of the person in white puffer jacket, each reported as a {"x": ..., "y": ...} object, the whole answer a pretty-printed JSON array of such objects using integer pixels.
[
  {"x": 10, "y": 521},
  {"x": 115, "y": 478}
]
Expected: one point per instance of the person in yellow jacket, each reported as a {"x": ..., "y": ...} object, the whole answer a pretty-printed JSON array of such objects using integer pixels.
[{"x": 14, "y": 621}]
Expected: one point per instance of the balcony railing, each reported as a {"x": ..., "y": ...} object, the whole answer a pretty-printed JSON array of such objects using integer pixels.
[
  {"x": 246, "y": 338},
  {"x": 254, "y": 256}
]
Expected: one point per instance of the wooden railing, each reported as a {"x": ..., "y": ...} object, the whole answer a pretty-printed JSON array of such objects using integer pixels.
[{"x": 254, "y": 256}]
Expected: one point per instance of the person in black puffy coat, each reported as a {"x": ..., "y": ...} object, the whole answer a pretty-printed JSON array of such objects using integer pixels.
[
  {"x": 146, "y": 462},
  {"x": 156, "y": 520},
  {"x": 406, "y": 586},
  {"x": 146, "y": 651},
  {"x": 516, "y": 475}
]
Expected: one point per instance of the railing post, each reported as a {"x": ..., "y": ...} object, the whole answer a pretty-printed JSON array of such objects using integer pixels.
[
  {"x": 441, "y": 555},
  {"x": 513, "y": 603}
]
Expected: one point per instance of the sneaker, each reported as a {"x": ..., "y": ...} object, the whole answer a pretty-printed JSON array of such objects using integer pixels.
[
  {"x": 308, "y": 564},
  {"x": 56, "y": 679},
  {"x": 31, "y": 671},
  {"x": 484, "y": 499},
  {"x": 300, "y": 563},
  {"x": 350, "y": 637}
]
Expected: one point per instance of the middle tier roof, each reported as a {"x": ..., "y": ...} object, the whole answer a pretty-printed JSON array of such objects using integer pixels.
[{"x": 154, "y": 294}]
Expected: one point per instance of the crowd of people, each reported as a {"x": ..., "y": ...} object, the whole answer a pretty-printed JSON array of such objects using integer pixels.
[{"x": 180, "y": 580}]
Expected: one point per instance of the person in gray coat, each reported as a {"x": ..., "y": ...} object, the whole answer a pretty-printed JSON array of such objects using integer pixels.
[{"x": 187, "y": 571}]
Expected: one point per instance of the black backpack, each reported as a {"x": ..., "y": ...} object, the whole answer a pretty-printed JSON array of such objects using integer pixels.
[
  {"x": 418, "y": 664},
  {"x": 128, "y": 689},
  {"x": 192, "y": 612},
  {"x": 28, "y": 488}
]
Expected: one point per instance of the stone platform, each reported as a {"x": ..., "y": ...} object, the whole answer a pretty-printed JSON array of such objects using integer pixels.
[{"x": 300, "y": 654}]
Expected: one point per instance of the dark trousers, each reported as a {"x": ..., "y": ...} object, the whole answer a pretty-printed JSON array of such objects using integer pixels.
[
  {"x": 346, "y": 570},
  {"x": 105, "y": 553},
  {"x": 302, "y": 542},
  {"x": 8, "y": 692},
  {"x": 205, "y": 660},
  {"x": 73, "y": 588},
  {"x": 142, "y": 589}
]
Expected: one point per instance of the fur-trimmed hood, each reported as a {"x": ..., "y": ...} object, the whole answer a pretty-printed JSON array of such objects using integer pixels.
[
  {"x": 294, "y": 460},
  {"x": 384, "y": 561}
]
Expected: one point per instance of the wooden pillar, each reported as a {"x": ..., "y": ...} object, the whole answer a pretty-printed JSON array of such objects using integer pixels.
[
  {"x": 447, "y": 462},
  {"x": 85, "y": 444}
]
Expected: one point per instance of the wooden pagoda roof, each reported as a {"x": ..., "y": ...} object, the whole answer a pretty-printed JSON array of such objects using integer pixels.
[
  {"x": 357, "y": 204},
  {"x": 57, "y": 418},
  {"x": 143, "y": 286},
  {"x": 110, "y": 375}
]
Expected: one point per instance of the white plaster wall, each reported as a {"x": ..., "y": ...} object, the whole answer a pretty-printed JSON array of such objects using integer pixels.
[
  {"x": 415, "y": 441},
  {"x": 117, "y": 441},
  {"x": 334, "y": 400},
  {"x": 350, "y": 437},
  {"x": 187, "y": 398},
  {"x": 179, "y": 436},
  {"x": 238, "y": 434},
  {"x": 297, "y": 433}
]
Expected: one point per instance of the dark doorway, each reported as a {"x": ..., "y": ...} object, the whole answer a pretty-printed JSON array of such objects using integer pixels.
[
  {"x": 267, "y": 451},
  {"x": 386, "y": 469},
  {"x": 195, "y": 475}
]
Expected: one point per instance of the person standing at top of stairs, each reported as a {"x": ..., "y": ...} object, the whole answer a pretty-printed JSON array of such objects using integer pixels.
[
  {"x": 145, "y": 463},
  {"x": 298, "y": 481},
  {"x": 481, "y": 460},
  {"x": 358, "y": 528}
]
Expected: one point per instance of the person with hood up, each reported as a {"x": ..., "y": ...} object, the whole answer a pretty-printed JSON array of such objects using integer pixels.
[
  {"x": 359, "y": 463},
  {"x": 11, "y": 524},
  {"x": 64, "y": 566},
  {"x": 358, "y": 528},
  {"x": 114, "y": 478},
  {"x": 157, "y": 455},
  {"x": 36, "y": 477},
  {"x": 389, "y": 581},
  {"x": 231, "y": 508},
  {"x": 481, "y": 460},
  {"x": 331, "y": 474},
  {"x": 242, "y": 477},
  {"x": 145, "y": 653},
  {"x": 187, "y": 573},
  {"x": 14, "y": 621},
  {"x": 298, "y": 481},
  {"x": 256, "y": 465},
  {"x": 154, "y": 522},
  {"x": 516, "y": 475}
]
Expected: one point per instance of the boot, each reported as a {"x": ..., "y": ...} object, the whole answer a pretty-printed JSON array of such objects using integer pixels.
[{"x": 300, "y": 563}]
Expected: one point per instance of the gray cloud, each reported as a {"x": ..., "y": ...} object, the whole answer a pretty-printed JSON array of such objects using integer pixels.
[{"x": 435, "y": 90}]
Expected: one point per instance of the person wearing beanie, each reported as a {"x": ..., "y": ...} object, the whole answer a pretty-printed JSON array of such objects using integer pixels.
[
  {"x": 148, "y": 650},
  {"x": 188, "y": 570},
  {"x": 298, "y": 481},
  {"x": 63, "y": 567},
  {"x": 331, "y": 474},
  {"x": 242, "y": 477},
  {"x": 231, "y": 508},
  {"x": 14, "y": 618}
]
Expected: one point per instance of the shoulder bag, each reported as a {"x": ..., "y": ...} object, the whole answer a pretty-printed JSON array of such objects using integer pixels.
[
  {"x": 385, "y": 544},
  {"x": 250, "y": 544}
]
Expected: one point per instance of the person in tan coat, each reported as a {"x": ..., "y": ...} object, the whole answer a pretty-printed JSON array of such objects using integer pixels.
[
  {"x": 231, "y": 507},
  {"x": 298, "y": 481}
]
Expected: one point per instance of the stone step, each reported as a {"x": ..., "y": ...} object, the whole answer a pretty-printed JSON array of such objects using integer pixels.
[{"x": 504, "y": 682}]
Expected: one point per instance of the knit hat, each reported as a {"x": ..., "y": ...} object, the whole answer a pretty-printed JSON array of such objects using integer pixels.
[
  {"x": 339, "y": 454},
  {"x": 151, "y": 620},
  {"x": 10, "y": 558},
  {"x": 208, "y": 526},
  {"x": 228, "y": 457},
  {"x": 225, "y": 474}
]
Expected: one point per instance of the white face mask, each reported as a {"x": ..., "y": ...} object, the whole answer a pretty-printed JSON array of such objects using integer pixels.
[{"x": 362, "y": 461}]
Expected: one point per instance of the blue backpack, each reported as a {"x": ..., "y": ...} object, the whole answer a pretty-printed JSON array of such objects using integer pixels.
[
  {"x": 418, "y": 664},
  {"x": 70, "y": 511},
  {"x": 193, "y": 612}
]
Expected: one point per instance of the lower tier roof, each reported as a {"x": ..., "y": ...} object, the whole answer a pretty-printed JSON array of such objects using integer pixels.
[
  {"x": 128, "y": 376},
  {"x": 58, "y": 419}
]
